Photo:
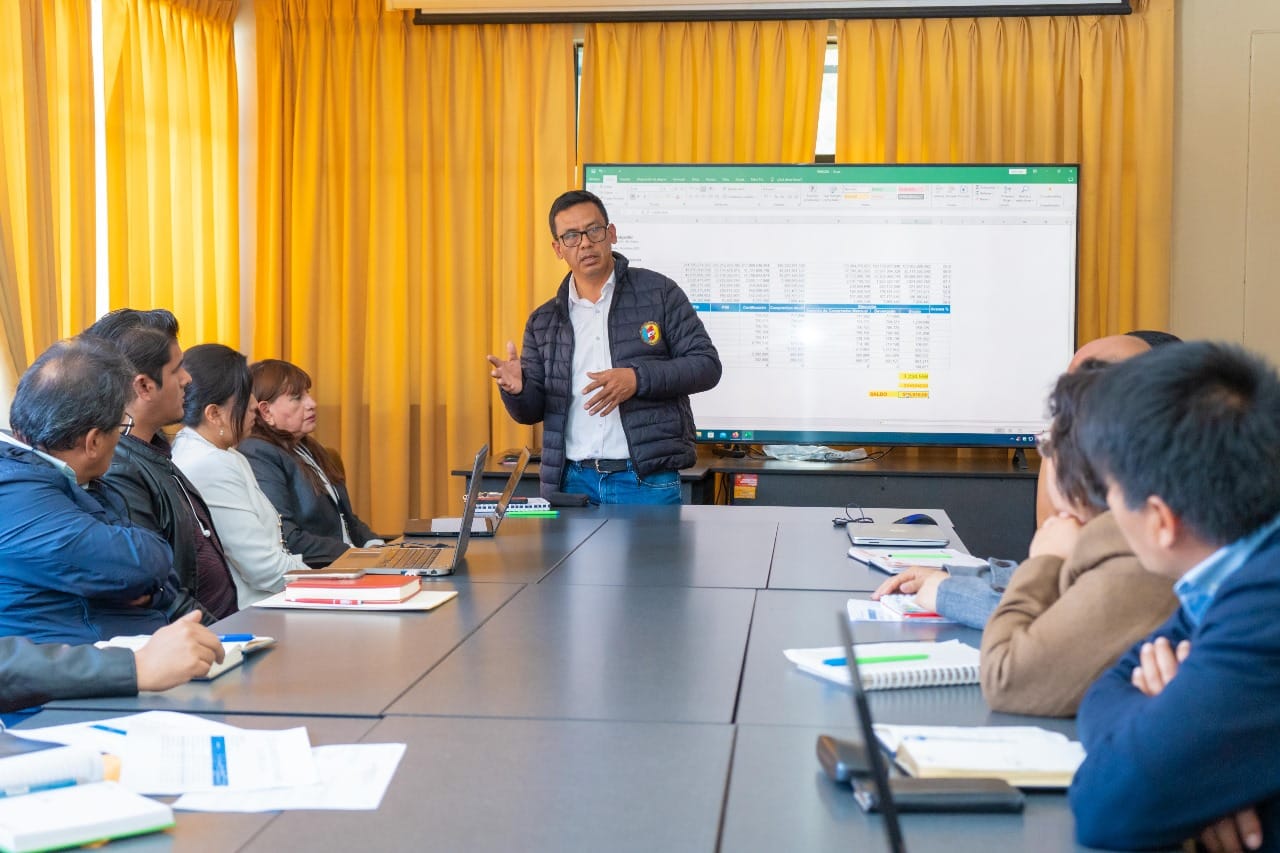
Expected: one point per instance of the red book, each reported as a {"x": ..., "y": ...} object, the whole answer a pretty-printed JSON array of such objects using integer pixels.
[{"x": 361, "y": 590}]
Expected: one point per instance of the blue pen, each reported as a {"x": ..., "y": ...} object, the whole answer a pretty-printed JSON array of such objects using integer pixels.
[
  {"x": 31, "y": 789},
  {"x": 235, "y": 638}
]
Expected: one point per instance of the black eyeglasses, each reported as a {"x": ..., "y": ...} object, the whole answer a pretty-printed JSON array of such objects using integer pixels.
[
  {"x": 595, "y": 234},
  {"x": 126, "y": 426}
]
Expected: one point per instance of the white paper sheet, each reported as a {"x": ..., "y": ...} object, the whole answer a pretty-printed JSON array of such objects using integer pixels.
[
  {"x": 110, "y": 735},
  {"x": 865, "y": 610},
  {"x": 179, "y": 763},
  {"x": 352, "y": 777},
  {"x": 165, "y": 752}
]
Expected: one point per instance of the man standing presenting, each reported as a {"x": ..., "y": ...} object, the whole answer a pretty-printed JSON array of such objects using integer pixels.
[
  {"x": 608, "y": 366},
  {"x": 1182, "y": 733}
]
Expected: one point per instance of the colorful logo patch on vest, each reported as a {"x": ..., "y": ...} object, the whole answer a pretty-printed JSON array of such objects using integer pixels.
[{"x": 650, "y": 333}]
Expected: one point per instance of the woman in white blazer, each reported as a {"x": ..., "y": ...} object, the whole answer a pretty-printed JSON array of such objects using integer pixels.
[{"x": 218, "y": 412}]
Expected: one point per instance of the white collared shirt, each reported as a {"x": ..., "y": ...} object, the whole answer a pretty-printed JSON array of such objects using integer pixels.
[{"x": 588, "y": 436}]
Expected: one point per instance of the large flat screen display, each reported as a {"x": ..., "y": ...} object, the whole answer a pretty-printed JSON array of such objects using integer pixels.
[{"x": 864, "y": 304}]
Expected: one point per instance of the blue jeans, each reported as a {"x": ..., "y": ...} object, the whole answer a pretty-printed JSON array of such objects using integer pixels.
[{"x": 623, "y": 487}]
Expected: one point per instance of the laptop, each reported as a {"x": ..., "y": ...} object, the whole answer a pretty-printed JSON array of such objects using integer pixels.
[
  {"x": 897, "y": 535},
  {"x": 410, "y": 558},
  {"x": 482, "y": 526},
  {"x": 907, "y": 794}
]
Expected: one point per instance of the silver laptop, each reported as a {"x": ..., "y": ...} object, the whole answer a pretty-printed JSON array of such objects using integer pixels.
[
  {"x": 416, "y": 558},
  {"x": 897, "y": 535},
  {"x": 481, "y": 526}
]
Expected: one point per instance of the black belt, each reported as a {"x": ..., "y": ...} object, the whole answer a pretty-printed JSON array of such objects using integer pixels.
[{"x": 605, "y": 466}]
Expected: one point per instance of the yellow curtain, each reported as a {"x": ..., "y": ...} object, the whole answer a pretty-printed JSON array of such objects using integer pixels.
[
  {"x": 46, "y": 177},
  {"x": 1097, "y": 90},
  {"x": 172, "y": 162},
  {"x": 696, "y": 92},
  {"x": 405, "y": 173}
]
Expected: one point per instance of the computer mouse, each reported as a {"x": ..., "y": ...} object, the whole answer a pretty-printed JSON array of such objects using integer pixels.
[{"x": 916, "y": 518}]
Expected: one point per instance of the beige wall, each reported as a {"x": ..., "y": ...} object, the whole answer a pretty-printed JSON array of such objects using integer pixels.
[{"x": 1226, "y": 179}]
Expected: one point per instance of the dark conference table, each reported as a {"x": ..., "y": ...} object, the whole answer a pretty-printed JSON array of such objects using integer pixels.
[{"x": 629, "y": 694}]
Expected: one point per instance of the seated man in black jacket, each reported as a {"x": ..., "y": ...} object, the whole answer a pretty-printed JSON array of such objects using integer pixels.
[
  {"x": 608, "y": 367},
  {"x": 32, "y": 674},
  {"x": 158, "y": 494}
]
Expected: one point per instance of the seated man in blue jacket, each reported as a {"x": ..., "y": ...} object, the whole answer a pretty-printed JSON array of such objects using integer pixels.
[
  {"x": 1182, "y": 734},
  {"x": 73, "y": 569}
]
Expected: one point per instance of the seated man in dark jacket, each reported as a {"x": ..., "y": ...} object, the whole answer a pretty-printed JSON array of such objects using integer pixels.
[
  {"x": 73, "y": 569},
  {"x": 1182, "y": 733},
  {"x": 32, "y": 674},
  {"x": 159, "y": 496},
  {"x": 608, "y": 367}
]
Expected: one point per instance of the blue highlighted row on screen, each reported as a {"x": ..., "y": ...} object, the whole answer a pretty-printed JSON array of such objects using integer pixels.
[{"x": 817, "y": 308}]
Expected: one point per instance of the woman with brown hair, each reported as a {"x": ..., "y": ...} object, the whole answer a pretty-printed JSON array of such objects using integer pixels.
[{"x": 306, "y": 485}]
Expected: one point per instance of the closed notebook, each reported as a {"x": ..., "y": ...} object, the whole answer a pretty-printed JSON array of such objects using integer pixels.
[
  {"x": 894, "y": 560},
  {"x": 1025, "y": 756},
  {"x": 426, "y": 599},
  {"x": 83, "y": 814},
  {"x": 368, "y": 588},
  {"x": 885, "y": 666}
]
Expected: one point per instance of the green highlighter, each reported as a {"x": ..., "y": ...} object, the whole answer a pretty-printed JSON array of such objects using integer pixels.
[{"x": 881, "y": 659}]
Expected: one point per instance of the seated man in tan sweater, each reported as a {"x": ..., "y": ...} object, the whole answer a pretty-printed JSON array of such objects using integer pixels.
[{"x": 1081, "y": 599}]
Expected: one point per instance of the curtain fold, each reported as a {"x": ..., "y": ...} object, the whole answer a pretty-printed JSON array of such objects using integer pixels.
[
  {"x": 1097, "y": 90},
  {"x": 172, "y": 144},
  {"x": 696, "y": 92},
  {"x": 47, "y": 194},
  {"x": 405, "y": 172}
]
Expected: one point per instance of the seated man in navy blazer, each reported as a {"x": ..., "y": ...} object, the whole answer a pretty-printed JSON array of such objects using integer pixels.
[
  {"x": 1182, "y": 734},
  {"x": 73, "y": 568}
]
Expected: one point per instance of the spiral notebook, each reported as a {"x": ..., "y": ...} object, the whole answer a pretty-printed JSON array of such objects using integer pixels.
[{"x": 885, "y": 666}]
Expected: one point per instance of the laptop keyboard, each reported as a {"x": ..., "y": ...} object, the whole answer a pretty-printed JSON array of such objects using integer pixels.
[{"x": 410, "y": 558}]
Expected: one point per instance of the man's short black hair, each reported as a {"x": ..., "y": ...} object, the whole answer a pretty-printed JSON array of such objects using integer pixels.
[
  {"x": 573, "y": 198},
  {"x": 145, "y": 337},
  {"x": 1153, "y": 338},
  {"x": 1197, "y": 425},
  {"x": 113, "y": 323},
  {"x": 148, "y": 350},
  {"x": 73, "y": 387},
  {"x": 1076, "y": 478}
]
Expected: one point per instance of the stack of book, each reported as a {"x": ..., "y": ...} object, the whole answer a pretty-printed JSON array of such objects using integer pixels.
[{"x": 366, "y": 589}]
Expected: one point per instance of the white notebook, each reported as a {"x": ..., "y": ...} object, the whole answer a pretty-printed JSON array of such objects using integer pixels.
[
  {"x": 233, "y": 651},
  {"x": 80, "y": 814},
  {"x": 885, "y": 666},
  {"x": 1026, "y": 756}
]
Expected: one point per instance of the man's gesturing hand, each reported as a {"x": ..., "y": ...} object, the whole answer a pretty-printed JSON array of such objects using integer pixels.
[{"x": 508, "y": 373}]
